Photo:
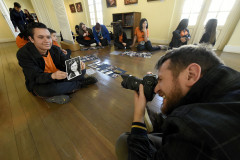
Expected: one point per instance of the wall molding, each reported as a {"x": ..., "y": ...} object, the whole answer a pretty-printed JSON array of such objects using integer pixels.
[
  {"x": 233, "y": 49},
  {"x": 160, "y": 41},
  {"x": 4, "y": 40}
]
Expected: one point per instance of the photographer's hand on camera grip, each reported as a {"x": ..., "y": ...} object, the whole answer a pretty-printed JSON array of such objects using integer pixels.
[{"x": 139, "y": 105}]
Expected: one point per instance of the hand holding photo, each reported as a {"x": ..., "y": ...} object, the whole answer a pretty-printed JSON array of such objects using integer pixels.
[{"x": 73, "y": 67}]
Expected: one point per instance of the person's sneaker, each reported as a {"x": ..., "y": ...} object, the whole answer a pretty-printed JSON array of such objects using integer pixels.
[
  {"x": 89, "y": 80},
  {"x": 163, "y": 47},
  {"x": 62, "y": 99},
  {"x": 81, "y": 45},
  {"x": 93, "y": 44}
]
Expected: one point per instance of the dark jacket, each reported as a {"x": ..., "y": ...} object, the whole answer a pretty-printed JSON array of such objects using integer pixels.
[
  {"x": 81, "y": 32},
  {"x": 176, "y": 42},
  {"x": 33, "y": 64},
  {"x": 206, "y": 38},
  {"x": 116, "y": 38},
  {"x": 17, "y": 18},
  {"x": 205, "y": 125},
  {"x": 104, "y": 33}
]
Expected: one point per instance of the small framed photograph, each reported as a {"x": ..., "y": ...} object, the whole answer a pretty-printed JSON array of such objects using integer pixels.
[
  {"x": 127, "y": 2},
  {"x": 73, "y": 67},
  {"x": 154, "y": 0},
  {"x": 72, "y": 8},
  {"x": 79, "y": 7},
  {"x": 111, "y": 3}
]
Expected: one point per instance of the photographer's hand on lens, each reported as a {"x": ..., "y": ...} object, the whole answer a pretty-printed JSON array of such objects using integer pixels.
[{"x": 139, "y": 105}]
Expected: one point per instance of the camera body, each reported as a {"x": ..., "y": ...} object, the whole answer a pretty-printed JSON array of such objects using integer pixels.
[{"x": 149, "y": 82}]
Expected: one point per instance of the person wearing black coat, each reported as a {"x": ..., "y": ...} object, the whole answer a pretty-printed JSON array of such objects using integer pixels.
[
  {"x": 201, "y": 104},
  {"x": 181, "y": 35},
  {"x": 209, "y": 36},
  {"x": 44, "y": 67},
  {"x": 85, "y": 36},
  {"x": 18, "y": 17},
  {"x": 120, "y": 37}
]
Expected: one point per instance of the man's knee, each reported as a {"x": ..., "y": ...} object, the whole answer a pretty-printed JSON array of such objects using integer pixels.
[{"x": 122, "y": 147}]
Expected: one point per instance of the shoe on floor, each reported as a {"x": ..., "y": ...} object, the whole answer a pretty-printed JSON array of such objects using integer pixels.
[
  {"x": 62, "y": 99},
  {"x": 93, "y": 44},
  {"x": 163, "y": 47},
  {"x": 89, "y": 80}
]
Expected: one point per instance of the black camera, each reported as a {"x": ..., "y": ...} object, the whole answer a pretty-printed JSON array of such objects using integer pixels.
[{"x": 149, "y": 82}]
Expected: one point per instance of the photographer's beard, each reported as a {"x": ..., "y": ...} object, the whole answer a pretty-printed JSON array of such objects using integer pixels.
[{"x": 171, "y": 101}]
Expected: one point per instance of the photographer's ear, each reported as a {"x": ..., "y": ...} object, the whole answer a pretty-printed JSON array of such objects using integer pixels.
[{"x": 193, "y": 74}]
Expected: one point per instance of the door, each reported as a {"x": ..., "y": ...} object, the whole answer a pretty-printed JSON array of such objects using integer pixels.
[{"x": 6, "y": 16}]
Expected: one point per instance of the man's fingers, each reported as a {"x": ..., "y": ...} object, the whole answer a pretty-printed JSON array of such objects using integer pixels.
[{"x": 141, "y": 90}]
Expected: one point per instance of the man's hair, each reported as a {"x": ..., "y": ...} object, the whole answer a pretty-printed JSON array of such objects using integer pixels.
[
  {"x": 34, "y": 25},
  {"x": 141, "y": 23},
  {"x": 16, "y": 4},
  {"x": 181, "y": 57},
  {"x": 98, "y": 26},
  {"x": 51, "y": 31}
]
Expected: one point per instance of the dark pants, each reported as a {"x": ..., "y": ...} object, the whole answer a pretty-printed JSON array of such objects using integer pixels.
[
  {"x": 86, "y": 42},
  {"x": 175, "y": 43},
  {"x": 121, "y": 46},
  {"x": 122, "y": 146},
  {"x": 147, "y": 46},
  {"x": 21, "y": 27},
  {"x": 69, "y": 52},
  {"x": 60, "y": 87},
  {"x": 103, "y": 41}
]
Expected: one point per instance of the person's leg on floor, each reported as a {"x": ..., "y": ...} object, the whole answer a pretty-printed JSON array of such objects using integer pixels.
[
  {"x": 121, "y": 147},
  {"x": 119, "y": 45},
  {"x": 104, "y": 42},
  {"x": 149, "y": 46},
  {"x": 141, "y": 47}
]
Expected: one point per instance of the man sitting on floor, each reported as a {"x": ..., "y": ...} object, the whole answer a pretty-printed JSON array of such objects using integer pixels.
[{"x": 44, "y": 67}]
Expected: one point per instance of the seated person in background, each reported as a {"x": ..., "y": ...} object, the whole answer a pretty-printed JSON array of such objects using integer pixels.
[
  {"x": 22, "y": 38},
  {"x": 120, "y": 37},
  {"x": 77, "y": 29},
  {"x": 101, "y": 35},
  {"x": 44, "y": 67},
  {"x": 28, "y": 16},
  {"x": 209, "y": 36},
  {"x": 53, "y": 34},
  {"x": 85, "y": 37},
  {"x": 180, "y": 35},
  {"x": 142, "y": 35},
  {"x": 201, "y": 100}
]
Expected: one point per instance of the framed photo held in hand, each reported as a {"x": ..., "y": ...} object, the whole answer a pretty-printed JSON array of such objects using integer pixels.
[{"x": 73, "y": 67}]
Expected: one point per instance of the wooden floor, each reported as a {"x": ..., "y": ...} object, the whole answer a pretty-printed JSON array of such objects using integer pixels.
[{"x": 84, "y": 129}]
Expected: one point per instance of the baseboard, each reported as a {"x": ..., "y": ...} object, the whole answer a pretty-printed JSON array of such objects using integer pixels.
[
  {"x": 159, "y": 41},
  {"x": 233, "y": 49},
  {"x": 4, "y": 40}
]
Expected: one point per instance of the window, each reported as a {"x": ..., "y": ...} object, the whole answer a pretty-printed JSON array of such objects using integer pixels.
[
  {"x": 191, "y": 11},
  {"x": 95, "y": 11},
  {"x": 220, "y": 10}
]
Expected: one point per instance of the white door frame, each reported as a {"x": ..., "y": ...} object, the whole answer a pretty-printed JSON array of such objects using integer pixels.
[{"x": 6, "y": 15}]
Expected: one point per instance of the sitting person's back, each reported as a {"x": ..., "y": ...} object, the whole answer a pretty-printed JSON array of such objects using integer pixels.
[
  {"x": 209, "y": 36},
  {"x": 120, "y": 37}
]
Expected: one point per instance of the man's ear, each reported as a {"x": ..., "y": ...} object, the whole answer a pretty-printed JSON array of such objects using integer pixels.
[
  {"x": 30, "y": 38},
  {"x": 193, "y": 74}
]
